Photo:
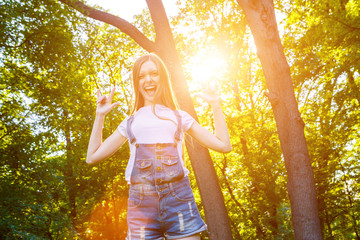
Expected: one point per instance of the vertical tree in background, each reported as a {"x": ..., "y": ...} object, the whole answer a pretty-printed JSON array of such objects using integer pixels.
[
  {"x": 253, "y": 175},
  {"x": 323, "y": 40},
  {"x": 301, "y": 185},
  {"x": 164, "y": 46}
]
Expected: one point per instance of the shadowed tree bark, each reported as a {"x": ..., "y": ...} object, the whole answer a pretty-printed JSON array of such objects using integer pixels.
[
  {"x": 260, "y": 16},
  {"x": 215, "y": 212}
]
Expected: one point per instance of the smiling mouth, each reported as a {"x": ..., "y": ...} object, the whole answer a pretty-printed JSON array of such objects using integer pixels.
[{"x": 150, "y": 90}]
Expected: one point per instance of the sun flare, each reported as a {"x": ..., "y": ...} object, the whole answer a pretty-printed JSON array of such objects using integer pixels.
[{"x": 206, "y": 67}]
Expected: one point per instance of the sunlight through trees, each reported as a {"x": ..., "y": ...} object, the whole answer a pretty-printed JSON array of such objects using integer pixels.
[{"x": 53, "y": 59}]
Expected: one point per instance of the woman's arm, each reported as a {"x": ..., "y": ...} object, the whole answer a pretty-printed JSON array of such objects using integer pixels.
[
  {"x": 98, "y": 150},
  {"x": 219, "y": 142}
]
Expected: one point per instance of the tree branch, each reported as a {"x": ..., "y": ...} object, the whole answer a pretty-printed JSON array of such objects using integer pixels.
[
  {"x": 115, "y": 21},
  {"x": 158, "y": 15}
]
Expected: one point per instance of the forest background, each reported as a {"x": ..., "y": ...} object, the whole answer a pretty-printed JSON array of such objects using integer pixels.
[{"x": 53, "y": 59}]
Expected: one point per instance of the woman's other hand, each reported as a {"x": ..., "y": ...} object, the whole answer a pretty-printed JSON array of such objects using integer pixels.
[{"x": 209, "y": 95}]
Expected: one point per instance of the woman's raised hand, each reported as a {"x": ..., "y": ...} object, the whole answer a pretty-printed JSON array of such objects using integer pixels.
[
  {"x": 104, "y": 104},
  {"x": 209, "y": 94}
]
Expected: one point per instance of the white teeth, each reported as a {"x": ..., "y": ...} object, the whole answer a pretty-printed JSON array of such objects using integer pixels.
[{"x": 150, "y": 88}]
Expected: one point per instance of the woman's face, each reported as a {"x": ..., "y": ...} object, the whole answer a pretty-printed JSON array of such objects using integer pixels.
[{"x": 149, "y": 82}]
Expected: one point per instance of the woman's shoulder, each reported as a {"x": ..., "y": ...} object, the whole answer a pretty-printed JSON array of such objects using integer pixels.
[
  {"x": 124, "y": 121},
  {"x": 184, "y": 114}
]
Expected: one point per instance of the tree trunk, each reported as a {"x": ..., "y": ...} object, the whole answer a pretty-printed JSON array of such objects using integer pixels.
[
  {"x": 206, "y": 178},
  {"x": 215, "y": 211},
  {"x": 301, "y": 185}
]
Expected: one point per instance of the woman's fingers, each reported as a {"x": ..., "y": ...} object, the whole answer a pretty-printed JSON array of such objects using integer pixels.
[
  {"x": 105, "y": 101},
  {"x": 112, "y": 93},
  {"x": 101, "y": 99},
  {"x": 208, "y": 95},
  {"x": 115, "y": 104},
  {"x": 104, "y": 104}
]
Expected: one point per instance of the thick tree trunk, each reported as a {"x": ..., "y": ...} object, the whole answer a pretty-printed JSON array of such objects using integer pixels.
[
  {"x": 301, "y": 185},
  {"x": 206, "y": 178},
  {"x": 215, "y": 211}
]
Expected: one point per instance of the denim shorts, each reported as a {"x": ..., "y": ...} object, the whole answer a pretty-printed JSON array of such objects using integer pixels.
[{"x": 159, "y": 211}]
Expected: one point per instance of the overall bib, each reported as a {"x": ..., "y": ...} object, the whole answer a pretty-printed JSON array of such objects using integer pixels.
[{"x": 161, "y": 203}]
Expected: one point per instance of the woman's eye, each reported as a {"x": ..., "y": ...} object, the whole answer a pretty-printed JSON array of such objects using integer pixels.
[{"x": 154, "y": 74}]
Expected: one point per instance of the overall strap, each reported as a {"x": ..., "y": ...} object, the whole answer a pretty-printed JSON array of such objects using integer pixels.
[
  {"x": 178, "y": 131},
  {"x": 128, "y": 129}
]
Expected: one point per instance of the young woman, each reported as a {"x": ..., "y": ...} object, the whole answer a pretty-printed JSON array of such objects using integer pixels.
[{"x": 161, "y": 202}]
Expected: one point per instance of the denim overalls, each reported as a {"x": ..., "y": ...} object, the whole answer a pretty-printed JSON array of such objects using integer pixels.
[{"x": 161, "y": 203}]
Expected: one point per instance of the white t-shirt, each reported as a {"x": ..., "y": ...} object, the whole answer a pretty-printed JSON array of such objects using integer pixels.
[{"x": 149, "y": 129}]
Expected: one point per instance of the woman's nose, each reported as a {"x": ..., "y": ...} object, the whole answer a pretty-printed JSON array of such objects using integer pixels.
[{"x": 148, "y": 78}]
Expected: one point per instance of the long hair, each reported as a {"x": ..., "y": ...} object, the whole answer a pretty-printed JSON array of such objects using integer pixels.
[{"x": 164, "y": 94}]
